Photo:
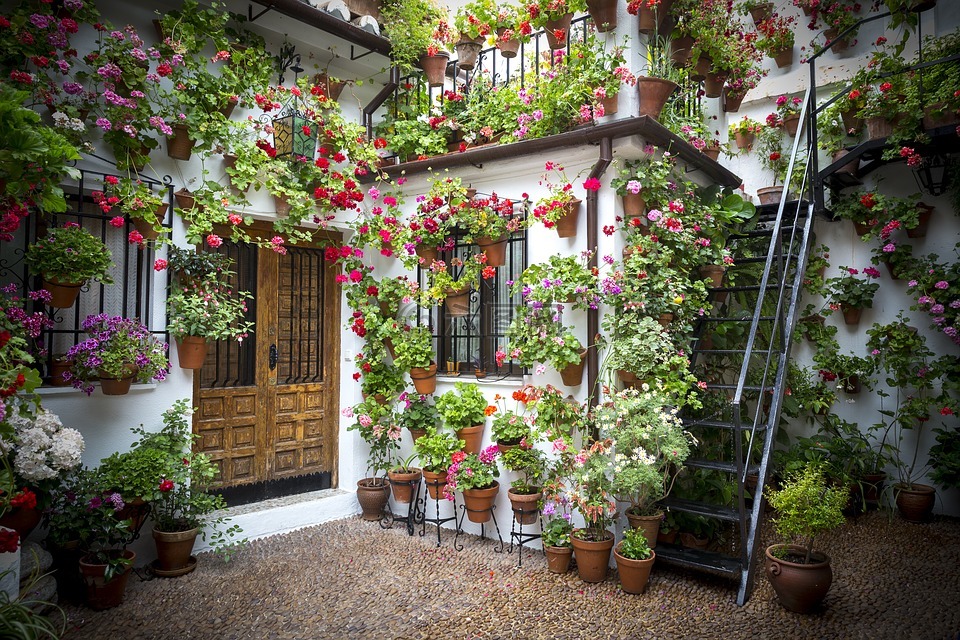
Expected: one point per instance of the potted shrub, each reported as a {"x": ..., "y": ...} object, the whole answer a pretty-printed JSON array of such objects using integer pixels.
[
  {"x": 562, "y": 279},
  {"x": 435, "y": 451},
  {"x": 634, "y": 559},
  {"x": 463, "y": 410},
  {"x": 376, "y": 426},
  {"x": 806, "y": 505},
  {"x": 67, "y": 257},
  {"x": 204, "y": 310},
  {"x": 419, "y": 414},
  {"x": 537, "y": 336},
  {"x": 118, "y": 352},
  {"x": 650, "y": 446},
  {"x": 525, "y": 492},
  {"x": 473, "y": 474},
  {"x": 556, "y": 539}
]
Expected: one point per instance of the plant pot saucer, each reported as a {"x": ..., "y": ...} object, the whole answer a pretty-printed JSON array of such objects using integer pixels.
[{"x": 173, "y": 573}]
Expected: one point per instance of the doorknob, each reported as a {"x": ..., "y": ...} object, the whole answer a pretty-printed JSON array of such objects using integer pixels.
[{"x": 274, "y": 356}]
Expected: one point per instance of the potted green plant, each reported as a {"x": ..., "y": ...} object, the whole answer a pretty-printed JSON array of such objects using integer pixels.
[
  {"x": 403, "y": 478},
  {"x": 183, "y": 501},
  {"x": 435, "y": 451},
  {"x": 118, "y": 352},
  {"x": 67, "y": 257},
  {"x": 413, "y": 352},
  {"x": 536, "y": 335},
  {"x": 419, "y": 414},
  {"x": 770, "y": 150},
  {"x": 852, "y": 294},
  {"x": 487, "y": 222},
  {"x": 806, "y": 505},
  {"x": 554, "y": 17},
  {"x": 556, "y": 540},
  {"x": 634, "y": 559},
  {"x": 410, "y": 27},
  {"x": 744, "y": 132},
  {"x": 562, "y": 279},
  {"x": 777, "y": 39},
  {"x": 510, "y": 427},
  {"x": 135, "y": 198},
  {"x": 525, "y": 492},
  {"x": 560, "y": 208},
  {"x": 382, "y": 382},
  {"x": 463, "y": 411},
  {"x": 650, "y": 446},
  {"x": 473, "y": 474}
]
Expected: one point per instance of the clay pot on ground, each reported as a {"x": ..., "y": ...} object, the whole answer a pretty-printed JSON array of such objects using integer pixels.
[
  {"x": 593, "y": 557},
  {"x": 174, "y": 551},
  {"x": 372, "y": 494},
  {"x": 799, "y": 587},
  {"x": 100, "y": 592},
  {"x": 649, "y": 524},
  {"x": 558, "y": 558},
  {"x": 634, "y": 574},
  {"x": 915, "y": 501}
]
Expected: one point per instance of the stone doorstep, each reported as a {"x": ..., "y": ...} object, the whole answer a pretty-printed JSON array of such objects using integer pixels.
[{"x": 289, "y": 513}]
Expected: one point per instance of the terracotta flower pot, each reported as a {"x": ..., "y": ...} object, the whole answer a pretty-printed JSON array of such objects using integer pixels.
[
  {"x": 799, "y": 587},
  {"x": 558, "y": 558},
  {"x": 713, "y": 84},
  {"x": 879, "y": 127},
  {"x": 611, "y": 104},
  {"x": 572, "y": 374},
  {"x": 604, "y": 14},
  {"x": 146, "y": 229},
  {"x": 473, "y": 437},
  {"x": 57, "y": 368},
  {"x": 791, "y": 124},
  {"x": 435, "y": 68},
  {"x": 479, "y": 502},
  {"x": 851, "y": 315},
  {"x": 111, "y": 386},
  {"x": 103, "y": 593},
  {"x": 770, "y": 195},
  {"x": 744, "y": 140},
  {"x": 924, "y": 211},
  {"x": 508, "y": 48},
  {"x": 403, "y": 483},
  {"x": 761, "y": 12},
  {"x": 467, "y": 53},
  {"x": 665, "y": 319},
  {"x": 712, "y": 152},
  {"x": 634, "y": 574},
  {"x": 429, "y": 255},
  {"x": 372, "y": 494},
  {"x": 649, "y": 524},
  {"x": 915, "y": 502},
  {"x": 558, "y": 31},
  {"x": 701, "y": 68},
  {"x": 63, "y": 294},
  {"x": 435, "y": 482},
  {"x": 649, "y": 19},
  {"x": 180, "y": 144},
  {"x": 457, "y": 303},
  {"x": 569, "y": 222},
  {"x": 192, "y": 351},
  {"x": 495, "y": 250},
  {"x": 693, "y": 541},
  {"x": 783, "y": 58},
  {"x": 681, "y": 50},
  {"x": 593, "y": 557},
  {"x": 21, "y": 520},
  {"x": 525, "y": 506},
  {"x": 851, "y": 168},
  {"x": 174, "y": 549},
  {"x": 654, "y": 93},
  {"x": 840, "y": 46},
  {"x": 424, "y": 379},
  {"x": 634, "y": 206}
]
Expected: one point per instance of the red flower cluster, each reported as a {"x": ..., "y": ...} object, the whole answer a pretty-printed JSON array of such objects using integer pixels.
[
  {"x": 166, "y": 485},
  {"x": 9, "y": 540},
  {"x": 26, "y": 499}
]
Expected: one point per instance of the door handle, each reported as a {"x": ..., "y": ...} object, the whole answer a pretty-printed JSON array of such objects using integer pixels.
[{"x": 274, "y": 357}]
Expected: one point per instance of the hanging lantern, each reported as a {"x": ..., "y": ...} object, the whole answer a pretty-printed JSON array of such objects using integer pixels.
[
  {"x": 932, "y": 175},
  {"x": 294, "y": 134}
]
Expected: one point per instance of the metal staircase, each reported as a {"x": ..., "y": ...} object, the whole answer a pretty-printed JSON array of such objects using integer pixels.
[{"x": 764, "y": 286}]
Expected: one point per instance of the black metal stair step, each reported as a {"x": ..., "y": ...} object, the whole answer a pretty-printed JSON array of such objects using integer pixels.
[
  {"x": 711, "y": 562},
  {"x": 702, "y": 509},
  {"x": 759, "y": 233},
  {"x": 750, "y": 287},
  {"x": 769, "y": 211},
  {"x": 727, "y": 352},
  {"x": 718, "y": 465},
  {"x": 746, "y": 387},
  {"x": 694, "y": 423},
  {"x": 741, "y": 319}
]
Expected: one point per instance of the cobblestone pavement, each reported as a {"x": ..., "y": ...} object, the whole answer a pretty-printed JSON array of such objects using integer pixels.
[{"x": 352, "y": 579}]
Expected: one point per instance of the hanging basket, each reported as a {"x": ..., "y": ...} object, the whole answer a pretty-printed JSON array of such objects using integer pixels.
[
  {"x": 457, "y": 303},
  {"x": 713, "y": 83},
  {"x": 467, "y": 53},
  {"x": 604, "y": 14},
  {"x": 191, "y": 351},
  {"x": 424, "y": 379},
  {"x": 62, "y": 294},
  {"x": 508, "y": 48},
  {"x": 495, "y": 249},
  {"x": 148, "y": 230},
  {"x": 435, "y": 68},
  {"x": 654, "y": 93},
  {"x": 558, "y": 31},
  {"x": 572, "y": 374},
  {"x": 180, "y": 144},
  {"x": 568, "y": 223}
]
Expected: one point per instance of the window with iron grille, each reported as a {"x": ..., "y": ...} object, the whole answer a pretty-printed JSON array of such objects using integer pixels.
[
  {"x": 133, "y": 289},
  {"x": 471, "y": 342}
]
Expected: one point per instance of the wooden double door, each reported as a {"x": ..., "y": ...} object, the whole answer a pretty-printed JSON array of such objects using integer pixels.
[{"x": 268, "y": 405}]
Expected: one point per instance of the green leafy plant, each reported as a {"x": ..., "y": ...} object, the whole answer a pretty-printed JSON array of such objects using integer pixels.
[
  {"x": 419, "y": 412},
  {"x": 413, "y": 345},
  {"x": 537, "y": 335},
  {"x": 634, "y": 545},
  {"x": 70, "y": 254},
  {"x": 847, "y": 289},
  {"x": 208, "y": 309},
  {"x": 436, "y": 448},
  {"x": 563, "y": 279},
  {"x": 556, "y": 532},
  {"x": 117, "y": 347},
  {"x": 463, "y": 406},
  {"x": 530, "y": 463},
  {"x": 472, "y": 471},
  {"x": 807, "y": 506}
]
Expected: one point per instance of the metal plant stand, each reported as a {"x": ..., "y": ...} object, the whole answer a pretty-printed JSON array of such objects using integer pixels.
[
  {"x": 436, "y": 519},
  {"x": 516, "y": 532},
  {"x": 497, "y": 548},
  {"x": 414, "y": 513}
]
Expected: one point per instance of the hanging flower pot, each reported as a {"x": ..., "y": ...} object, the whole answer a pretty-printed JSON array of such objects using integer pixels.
[
  {"x": 850, "y": 120},
  {"x": 783, "y": 58},
  {"x": 851, "y": 385},
  {"x": 879, "y": 127},
  {"x": 851, "y": 315},
  {"x": 147, "y": 230},
  {"x": 593, "y": 557},
  {"x": 770, "y": 195},
  {"x": 702, "y": 68},
  {"x": 791, "y": 124},
  {"x": 118, "y": 386},
  {"x": 58, "y": 367},
  {"x": 103, "y": 593},
  {"x": 180, "y": 144},
  {"x": 861, "y": 228},
  {"x": 508, "y": 47},
  {"x": 457, "y": 303},
  {"x": 568, "y": 223},
  {"x": 558, "y": 558},
  {"x": 403, "y": 483},
  {"x": 713, "y": 273},
  {"x": 744, "y": 140},
  {"x": 479, "y": 502},
  {"x": 429, "y": 255},
  {"x": 525, "y": 506},
  {"x": 634, "y": 206},
  {"x": 665, "y": 319},
  {"x": 435, "y": 68},
  {"x": 331, "y": 88},
  {"x": 174, "y": 551},
  {"x": 611, "y": 104},
  {"x": 557, "y": 31},
  {"x": 63, "y": 294},
  {"x": 191, "y": 351},
  {"x": 761, "y": 12},
  {"x": 604, "y": 14},
  {"x": 731, "y": 101},
  {"x": 654, "y": 93},
  {"x": 628, "y": 378},
  {"x": 939, "y": 115},
  {"x": 839, "y": 46},
  {"x": 712, "y": 152},
  {"x": 187, "y": 200},
  {"x": 282, "y": 205},
  {"x": 713, "y": 83},
  {"x": 649, "y": 19},
  {"x": 467, "y": 53},
  {"x": 572, "y": 374},
  {"x": 424, "y": 379},
  {"x": 472, "y": 437},
  {"x": 495, "y": 249},
  {"x": 681, "y": 49},
  {"x": 924, "y": 211},
  {"x": 851, "y": 168}
]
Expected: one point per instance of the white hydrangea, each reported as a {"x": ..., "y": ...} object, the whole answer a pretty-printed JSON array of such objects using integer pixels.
[{"x": 43, "y": 447}]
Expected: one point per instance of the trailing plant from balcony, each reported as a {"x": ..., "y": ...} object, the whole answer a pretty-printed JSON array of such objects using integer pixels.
[
  {"x": 116, "y": 348},
  {"x": 70, "y": 254}
]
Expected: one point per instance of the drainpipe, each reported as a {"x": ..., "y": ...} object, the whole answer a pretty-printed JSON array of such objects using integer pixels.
[{"x": 593, "y": 315}]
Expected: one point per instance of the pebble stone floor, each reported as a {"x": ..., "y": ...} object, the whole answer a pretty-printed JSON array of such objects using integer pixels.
[{"x": 352, "y": 579}]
